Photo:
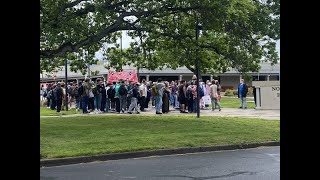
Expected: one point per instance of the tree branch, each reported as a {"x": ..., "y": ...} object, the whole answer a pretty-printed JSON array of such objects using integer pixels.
[{"x": 69, "y": 47}]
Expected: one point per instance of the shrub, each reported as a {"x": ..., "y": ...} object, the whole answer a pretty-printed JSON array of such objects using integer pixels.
[
  {"x": 235, "y": 92},
  {"x": 228, "y": 92},
  {"x": 250, "y": 91}
]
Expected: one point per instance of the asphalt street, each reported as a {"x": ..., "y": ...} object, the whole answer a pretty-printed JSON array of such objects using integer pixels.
[{"x": 247, "y": 164}]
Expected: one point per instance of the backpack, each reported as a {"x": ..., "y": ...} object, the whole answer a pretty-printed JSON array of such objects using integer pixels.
[
  {"x": 122, "y": 90},
  {"x": 154, "y": 91},
  {"x": 189, "y": 94}
]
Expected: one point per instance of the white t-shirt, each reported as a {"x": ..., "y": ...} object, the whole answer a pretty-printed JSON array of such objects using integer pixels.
[{"x": 143, "y": 88}]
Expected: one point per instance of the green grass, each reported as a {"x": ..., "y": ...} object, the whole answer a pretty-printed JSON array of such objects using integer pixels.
[
  {"x": 92, "y": 135},
  {"x": 48, "y": 112},
  {"x": 229, "y": 102}
]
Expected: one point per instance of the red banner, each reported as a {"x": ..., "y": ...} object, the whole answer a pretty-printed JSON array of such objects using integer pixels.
[{"x": 130, "y": 75}]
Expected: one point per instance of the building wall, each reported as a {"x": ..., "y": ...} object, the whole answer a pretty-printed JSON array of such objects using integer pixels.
[{"x": 229, "y": 81}]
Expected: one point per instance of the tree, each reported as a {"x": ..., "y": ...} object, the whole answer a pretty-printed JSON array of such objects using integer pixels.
[{"x": 236, "y": 33}]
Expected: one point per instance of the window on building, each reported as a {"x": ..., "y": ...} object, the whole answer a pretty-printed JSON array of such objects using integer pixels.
[{"x": 259, "y": 78}]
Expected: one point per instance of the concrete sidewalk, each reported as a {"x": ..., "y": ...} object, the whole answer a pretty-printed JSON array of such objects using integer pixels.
[{"x": 225, "y": 112}]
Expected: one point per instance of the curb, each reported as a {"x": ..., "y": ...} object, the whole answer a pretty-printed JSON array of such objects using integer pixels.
[{"x": 128, "y": 155}]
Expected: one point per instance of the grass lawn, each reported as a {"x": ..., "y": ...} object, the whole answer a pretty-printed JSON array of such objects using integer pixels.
[
  {"x": 48, "y": 112},
  {"x": 92, "y": 135},
  {"x": 231, "y": 102}
]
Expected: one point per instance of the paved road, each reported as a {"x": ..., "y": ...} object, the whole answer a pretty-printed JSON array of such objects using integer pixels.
[{"x": 249, "y": 164}]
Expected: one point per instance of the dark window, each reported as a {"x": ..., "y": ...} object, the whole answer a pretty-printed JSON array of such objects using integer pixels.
[{"x": 259, "y": 78}]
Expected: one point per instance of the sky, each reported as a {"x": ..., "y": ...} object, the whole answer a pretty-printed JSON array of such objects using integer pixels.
[{"x": 126, "y": 44}]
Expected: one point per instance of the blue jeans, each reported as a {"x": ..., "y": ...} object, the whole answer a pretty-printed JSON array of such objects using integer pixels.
[
  {"x": 243, "y": 102},
  {"x": 171, "y": 99},
  {"x": 97, "y": 101},
  {"x": 158, "y": 103},
  {"x": 85, "y": 100},
  {"x": 107, "y": 105},
  {"x": 175, "y": 103},
  {"x": 195, "y": 105}
]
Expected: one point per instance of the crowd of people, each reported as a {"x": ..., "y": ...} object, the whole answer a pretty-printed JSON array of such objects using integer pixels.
[{"x": 132, "y": 97}]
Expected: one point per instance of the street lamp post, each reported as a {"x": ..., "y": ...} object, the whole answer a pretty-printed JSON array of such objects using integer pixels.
[
  {"x": 88, "y": 70},
  {"x": 198, "y": 28},
  {"x": 66, "y": 84}
]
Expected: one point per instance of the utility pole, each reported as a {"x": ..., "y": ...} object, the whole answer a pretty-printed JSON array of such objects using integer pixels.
[{"x": 198, "y": 28}]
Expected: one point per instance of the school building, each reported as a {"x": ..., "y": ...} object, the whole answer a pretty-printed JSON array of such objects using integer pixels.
[{"x": 228, "y": 80}]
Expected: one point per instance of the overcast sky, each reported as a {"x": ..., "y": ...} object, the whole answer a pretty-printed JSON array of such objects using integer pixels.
[{"x": 126, "y": 44}]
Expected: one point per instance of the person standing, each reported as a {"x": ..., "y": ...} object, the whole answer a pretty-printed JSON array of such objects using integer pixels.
[
  {"x": 47, "y": 95},
  {"x": 85, "y": 96},
  {"x": 103, "y": 93},
  {"x": 165, "y": 98},
  {"x": 76, "y": 96},
  {"x": 110, "y": 96},
  {"x": 173, "y": 94},
  {"x": 123, "y": 96},
  {"x": 134, "y": 99},
  {"x": 116, "y": 97},
  {"x": 143, "y": 93},
  {"x": 148, "y": 89},
  {"x": 97, "y": 95},
  {"x": 189, "y": 97},
  {"x": 214, "y": 96},
  {"x": 91, "y": 96},
  {"x": 129, "y": 87},
  {"x": 182, "y": 96},
  {"x": 52, "y": 95},
  {"x": 59, "y": 96},
  {"x": 218, "y": 93},
  {"x": 242, "y": 94},
  {"x": 158, "y": 97}
]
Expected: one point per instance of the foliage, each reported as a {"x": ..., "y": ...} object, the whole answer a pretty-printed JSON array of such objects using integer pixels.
[
  {"x": 235, "y": 92},
  {"x": 236, "y": 33},
  {"x": 228, "y": 92},
  {"x": 250, "y": 91}
]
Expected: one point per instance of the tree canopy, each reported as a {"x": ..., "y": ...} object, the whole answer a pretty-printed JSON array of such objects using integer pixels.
[{"x": 236, "y": 33}]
